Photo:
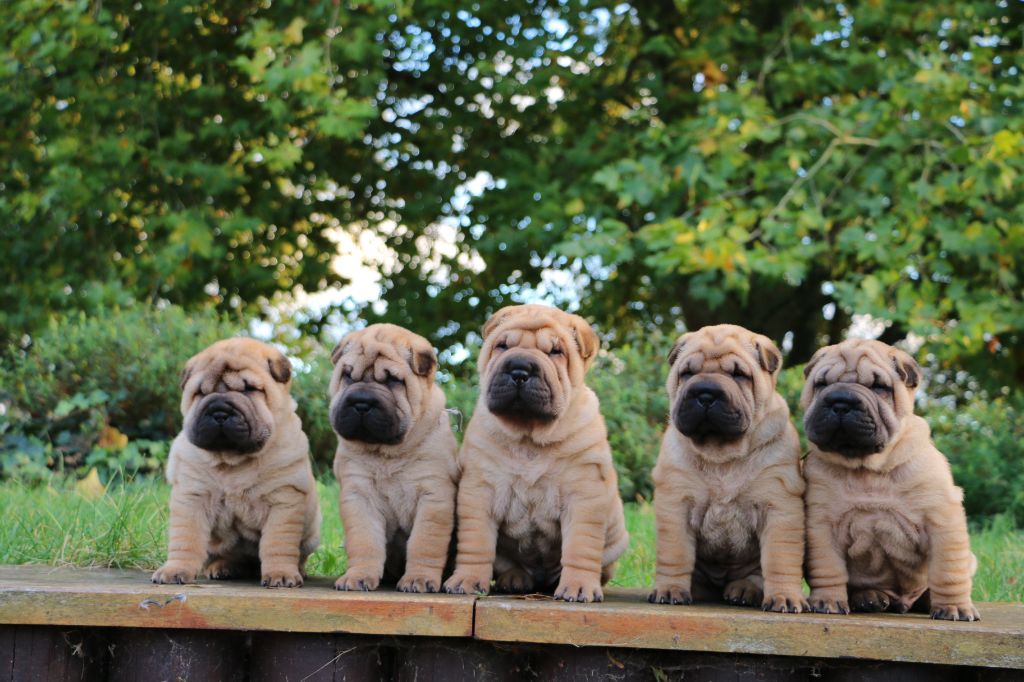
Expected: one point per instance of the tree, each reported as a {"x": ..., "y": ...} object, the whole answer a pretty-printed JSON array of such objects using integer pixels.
[{"x": 781, "y": 165}]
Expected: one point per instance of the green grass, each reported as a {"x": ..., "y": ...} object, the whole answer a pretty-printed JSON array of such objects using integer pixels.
[{"x": 127, "y": 528}]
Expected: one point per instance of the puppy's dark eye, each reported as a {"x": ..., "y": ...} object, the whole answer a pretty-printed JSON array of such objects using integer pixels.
[
  {"x": 555, "y": 351},
  {"x": 881, "y": 388},
  {"x": 346, "y": 375},
  {"x": 501, "y": 345},
  {"x": 739, "y": 375},
  {"x": 249, "y": 388},
  {"x": 685, "y": 374},
  {"x": 392, "y": 380},
  {"x": 820, "y": 383}
]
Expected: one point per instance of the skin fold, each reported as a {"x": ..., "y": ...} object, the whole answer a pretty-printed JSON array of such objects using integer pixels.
[
  {"x": 886, "y": 528},
  {"x": 728, "y": 490},
  {"x": 395, "y": 461},
  {"x": 243, "y": 497},
  {"x": 538, "y": 503}
]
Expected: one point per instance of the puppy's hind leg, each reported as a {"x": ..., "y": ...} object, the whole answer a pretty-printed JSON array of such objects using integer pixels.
[
  {"x": 511, "y": 577},
  {"x": 747, "y": 591}
]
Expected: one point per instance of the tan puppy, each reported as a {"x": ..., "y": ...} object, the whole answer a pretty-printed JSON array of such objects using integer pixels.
[
  {"x": 538, "y": 502},
  {"x": 885, "y": 524},
  {"x": 243, "y": 497},
  {"x": 395, "y": 461},
  {"x": 728, "y": 491}
]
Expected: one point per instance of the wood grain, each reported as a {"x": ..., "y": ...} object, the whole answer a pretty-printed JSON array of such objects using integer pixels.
[
  {"x": 35, "y": 595},
  {"x": 625, "y": 619}
]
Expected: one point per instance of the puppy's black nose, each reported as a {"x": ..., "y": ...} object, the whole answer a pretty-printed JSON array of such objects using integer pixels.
[
  {"x": 361, "y": 406},
  {"x": 220, "y": 416},
  {"x": 705, "y": 394},
  {"x": 520, "y": 370},
  {"x": 840, "y": 407}
]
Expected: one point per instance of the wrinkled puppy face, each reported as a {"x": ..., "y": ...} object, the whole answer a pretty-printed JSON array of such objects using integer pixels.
[
  {"x": 856, "y": 396},
  {"x": 532, "y": 359},
  {"x": 720, "y": 380},
  {"x": 382, "y": 376},
  {"x": 230, "y": 394}
]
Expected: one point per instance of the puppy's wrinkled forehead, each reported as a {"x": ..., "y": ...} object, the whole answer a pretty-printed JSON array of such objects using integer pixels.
[
  {"x": 716, "y": 349},
  {"x": 542, "y": 336},
  {"x": 860, "y": 363},
  {"x": 221, "y": 373},
  {"x": 370, "y": 355}
]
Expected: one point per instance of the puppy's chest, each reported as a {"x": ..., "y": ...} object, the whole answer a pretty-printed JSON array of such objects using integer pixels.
[
  {"x": 876, "y": 513},
  {"x": 726, "y": 521},
  {"x": 530, "y": 506}
]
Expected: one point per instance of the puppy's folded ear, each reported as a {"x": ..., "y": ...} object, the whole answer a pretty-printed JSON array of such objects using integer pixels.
[
  {"x": 677, "y": 348},
  {"x": 768, "y": 355},
  {"x": 907, "y": 368},
  {"x": 815, "y": 359},
  {"x": 280, "y": 368},
  {"x": 186, "y": 373},
  {"x": 423, "y": 360},
  {"x": 495, "y": 320},
  {"x": 586, "y": 339}
]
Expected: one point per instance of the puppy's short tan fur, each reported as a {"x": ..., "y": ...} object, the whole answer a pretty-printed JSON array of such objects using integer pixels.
[
  {"x": 728, "y": 490},
  {"x": 243, "y": 498},
  {"x": 538, "y": 502},
  {"x": 395, "y": 461},
  {"x": 886, "y": 528}
]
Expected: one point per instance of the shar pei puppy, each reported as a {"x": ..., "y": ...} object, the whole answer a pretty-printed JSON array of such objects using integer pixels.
[
  {"x": 886, "y": 528},
  {"x": 538, "y": 504},
  {"x": 243, "y": 497},
  {"x": 395, "y": 460},
  {"x": 728, "y": 490}
]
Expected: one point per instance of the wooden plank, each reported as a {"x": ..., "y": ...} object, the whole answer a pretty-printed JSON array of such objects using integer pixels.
[
  {"x": 179, "y": 655},
  {"x": 33, "y": 595},
  {"x": 625, "y": 619},
  {"x": 304, "y": 657}
]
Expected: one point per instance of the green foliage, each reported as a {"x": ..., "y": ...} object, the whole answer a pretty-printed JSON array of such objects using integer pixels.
[
  {"x": 686, "y": 162},
  {"x": 984, "y": 441},
  {"x": 100, "y": 390}
]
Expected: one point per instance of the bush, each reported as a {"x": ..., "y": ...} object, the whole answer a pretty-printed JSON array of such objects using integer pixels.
[
  {"x": 984, "y": 441},
  {"x": 99, "y": 390}
]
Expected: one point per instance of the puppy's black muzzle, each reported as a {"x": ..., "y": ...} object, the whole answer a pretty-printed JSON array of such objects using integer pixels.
[
  {"x": 222, "y": 426},
  {"x": 363, "y": 415},
  {"x": 842, "y": 422},
  {"x": 705, "y": 411},
  {"x": 518, "y": 390}
]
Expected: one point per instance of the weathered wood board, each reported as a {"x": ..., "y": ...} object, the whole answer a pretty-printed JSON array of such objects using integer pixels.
[
  {"x": 37, "y": 595},
  {"x": 625, "y": 619}
]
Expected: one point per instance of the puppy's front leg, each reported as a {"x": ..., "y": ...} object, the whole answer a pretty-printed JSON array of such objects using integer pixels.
[
  {"x": 477, "y": 537},
  {"x": 189, "y": 539},
  {"x": 427, "y": 551},
  {"x": 782, "y": 555},
  {"x": 280, "y": 539},
  {"x": 584, "y": 521},
  {"x": 950, "y": 565},
  {"x": 826, "y": 565},
  {"x": 365, "y": 539},
  {"x": 676, "y": 548}
]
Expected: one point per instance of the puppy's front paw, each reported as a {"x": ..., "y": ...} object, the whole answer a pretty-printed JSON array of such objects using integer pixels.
[
  {"x": 465, "y": 581},
  {"x": 579, "y": 586},
  {"x": 283, "y": 576},
  {"x": 420, "y": 581},
  {"x": 357, "y": 581},
  {"x": 175, "y": 573},
  {"x": 670, "y": 593},
  {"x": 829, "y": 601},
  {"x": 964, "y": 611},
  {"x": 785, "y": 601}
]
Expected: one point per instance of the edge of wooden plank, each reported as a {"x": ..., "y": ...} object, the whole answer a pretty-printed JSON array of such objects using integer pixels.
[
  {"x": 625, "y": 619},
  {"x": 127, "y": 599}
]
